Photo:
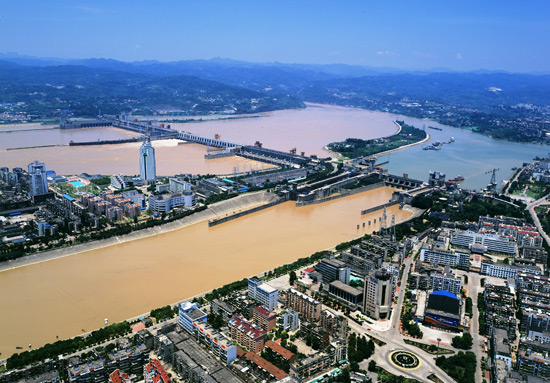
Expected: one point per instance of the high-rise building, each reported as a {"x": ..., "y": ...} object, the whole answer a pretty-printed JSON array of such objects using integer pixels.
[
  {"x": 333, "y": 269},
  {"x": 147, "y": 164},
  {"x": 262, "y": 293},
  {"x": 39, "y": 181},
  {"x": 378, "y": 295}
]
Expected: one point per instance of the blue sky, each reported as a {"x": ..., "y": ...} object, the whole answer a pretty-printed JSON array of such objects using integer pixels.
[{"x": 459, "y": 35}]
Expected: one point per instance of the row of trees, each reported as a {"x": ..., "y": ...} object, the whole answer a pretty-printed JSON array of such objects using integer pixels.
[
  {"x": 164, "y": 313},
  {"x": 481, "y": 309},
  {"x": 409, "y": 325},
  {"x": 67, "y": 346}
]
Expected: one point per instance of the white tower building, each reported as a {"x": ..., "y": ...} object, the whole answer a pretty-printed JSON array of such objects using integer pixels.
[{"x": 147, "y": 164}]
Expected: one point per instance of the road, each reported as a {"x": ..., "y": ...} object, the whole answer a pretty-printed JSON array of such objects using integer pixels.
[
  {"x": 474, "y": 287},
  {"x": 531, "y": 207},
  {"x": 394, "y": 340}
]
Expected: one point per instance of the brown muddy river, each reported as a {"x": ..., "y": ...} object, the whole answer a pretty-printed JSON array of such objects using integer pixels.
[{"x": 63, "y": 296}]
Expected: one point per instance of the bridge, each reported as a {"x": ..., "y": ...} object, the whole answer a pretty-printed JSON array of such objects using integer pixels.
[
  {"x": 248, "y": 151},
  {"x": 153, "y": 129}
]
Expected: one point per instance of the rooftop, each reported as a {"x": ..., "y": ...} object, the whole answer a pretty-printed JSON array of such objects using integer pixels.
[
  {"x": 279, "y": 349},
  {"x": 265, "y": 312},
  {"x": 265, "y": 365},
  {"x": 347, "y": 288}
]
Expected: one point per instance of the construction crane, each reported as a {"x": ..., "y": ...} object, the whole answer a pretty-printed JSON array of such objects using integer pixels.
[{"x": 493, "y": 177}]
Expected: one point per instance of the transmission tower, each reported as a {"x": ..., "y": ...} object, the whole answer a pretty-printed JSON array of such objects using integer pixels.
[
  {"x": 393, "y": 236},
  {"x": 383, "y": 223}
]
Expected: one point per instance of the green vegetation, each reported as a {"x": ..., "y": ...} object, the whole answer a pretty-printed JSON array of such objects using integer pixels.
[
  {"x": 364, "y": 182},
  {"x": 359, "y": 349},
  {"x": 429, "y": 348},
  {"x": 408, "y": 324},
  {"x": 67, "y": 346},
  {"x": 164, "y": 313},
  {"x": 533, "y": 189},
  {"x": 355, "y": 147},
  {"x": 103, "y": 181},
  {"x": 464, "y": 342},
  {"x": 219, "y": 197},
  {"x": 469, "y": 306},
  {"x": 387, "y": 377},
  {"x": 461, "y": 367},
  {"x": 481, "y": 309},
  {"x": 353, "y": 242},
  {"x": 292, "y": 277},
  {"x": 67, "y": 188},
  {"x": 21, "y": 249},
  {"x": 216, "y": 320},
  {"x": 274, "y": 358},
  {"x": 62, "y": 91}
]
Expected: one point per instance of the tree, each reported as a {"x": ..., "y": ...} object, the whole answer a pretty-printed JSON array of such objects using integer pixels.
[
  {"x": 464, "y": 342},
  {"x": 372, "y": 366},
  {"x": 292, "y": 277}
]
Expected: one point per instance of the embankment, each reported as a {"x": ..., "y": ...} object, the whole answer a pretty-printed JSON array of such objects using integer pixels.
[{"x": 214, "y": 211}]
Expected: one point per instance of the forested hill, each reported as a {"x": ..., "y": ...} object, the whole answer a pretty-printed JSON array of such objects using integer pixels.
[{"x": 82, "y": 91}]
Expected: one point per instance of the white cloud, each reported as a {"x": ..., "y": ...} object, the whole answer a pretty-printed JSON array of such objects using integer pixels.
[
  {"x": 385, "y": 53},
  {"x": 137, "y": 46},
  {"x": 459, "y": 56}
]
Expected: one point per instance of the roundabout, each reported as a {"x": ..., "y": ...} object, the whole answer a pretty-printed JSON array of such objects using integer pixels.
[{"x": 405, "y": 360}]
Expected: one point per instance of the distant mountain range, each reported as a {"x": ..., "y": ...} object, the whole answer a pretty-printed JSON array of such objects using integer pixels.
[{"x": 484, "y": 100}]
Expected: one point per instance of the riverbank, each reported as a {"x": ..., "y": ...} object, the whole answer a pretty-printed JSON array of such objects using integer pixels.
[
  {"x": 389, "y": 151},
  {"x": 214, "y": 211}
]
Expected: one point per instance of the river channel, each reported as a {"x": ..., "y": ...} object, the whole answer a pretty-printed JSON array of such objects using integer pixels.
[{"x": 66, "y": 295}]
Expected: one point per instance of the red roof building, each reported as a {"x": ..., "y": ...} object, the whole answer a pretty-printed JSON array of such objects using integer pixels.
[
  {"x": 247, "y": 334},
  {"x": 153, "y": 372},
  {"x": 118, "y": 376},
  {"x": 283, "y": 352},
  {"x": 266, "y": 366},
  {"x": 264, "y": 318}
]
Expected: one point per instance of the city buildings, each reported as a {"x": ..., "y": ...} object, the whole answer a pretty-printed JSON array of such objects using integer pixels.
[
  {"x": 118, "y": 376},
  {"x": 445, "y": 281},
  {"x": 153, "y": 372},
  {"x": 500, "y": 311},
  {"x": 333, "y": 269},
  {"x": 263, "y": 293},
  {"x": 247, "y": 334},
  {"x": 289, "y": 320},
  {"x": 378, "y": 294},
  {"x": 349, "y": 295},
  {"x": 438, "y": 256},
  {"x": 163, "y": 203},
  {"x": 264, "y": 318},
  {"x": 38, "y": 183},
  {"x": 222, "y": 308},
  {"x": 502, "y": 270},
  {"x": 147, "y": 163},
  {"x": 190, "y": 313},
  {"x": 309, "y": 308},
  {"x": 494, "y": 242},
  {"x": 443, "y": 309},
  {"x": 118, "y": 181},
  {"x": 217, "y": 342}
]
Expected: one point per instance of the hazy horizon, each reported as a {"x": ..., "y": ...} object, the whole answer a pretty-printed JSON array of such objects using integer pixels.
[{"x": 405, "y": 35}]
